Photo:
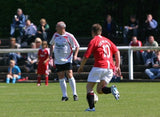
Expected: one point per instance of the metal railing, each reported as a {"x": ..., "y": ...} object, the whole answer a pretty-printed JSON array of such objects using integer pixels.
[{"x": 82, "y": 49}]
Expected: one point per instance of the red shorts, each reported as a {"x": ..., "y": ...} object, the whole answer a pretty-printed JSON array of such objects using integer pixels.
[{"x": 42, "y": 69}]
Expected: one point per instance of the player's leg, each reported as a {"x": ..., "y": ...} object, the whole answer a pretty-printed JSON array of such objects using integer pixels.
[
  {"x": 106, "y": 77},
  {"x": 8, "y": 78},
  {"x": 61, "y": 76},
  {"x": 15, "y": 76},
  {"x": 90, "y": 96},
  {"x": 46, "y": 80},
  {"x": 46, "y": 75},
  {"x": 38, "y": 80},
  {"x": 93, "y": 78},
  {"x": 72, "y": 83},
  {"x": 102, "y": 87}
]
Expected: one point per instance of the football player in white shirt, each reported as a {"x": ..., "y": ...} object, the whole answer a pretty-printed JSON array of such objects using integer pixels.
[{"x": 62, "y": 43}]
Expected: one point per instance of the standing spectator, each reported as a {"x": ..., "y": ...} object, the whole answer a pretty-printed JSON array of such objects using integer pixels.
[
  {"x": 131, "y": 29},
  {"x": 38, "y": 42},
  {"x": 29, "y": 33},
  {"x": 18, "y": 23},
  {"x": 109, "y": 28},
  {"x": 154, "y": 72},
  {"x": 14, "y": 72},
  {"x": 149, "y": 53},
  {"x": 43, "y": 30},
  {"x": 31, "y": 60},
  {"x": 150, "y": 26},
  {"x": 62, "y": 42},
  {"x": 43, "y": 60},
  {"x": 137, "y": 55},
  {"x": 12, "y": 55}
]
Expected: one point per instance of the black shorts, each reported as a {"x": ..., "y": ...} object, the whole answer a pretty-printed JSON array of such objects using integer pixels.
[{"x": 63, "y": 67}]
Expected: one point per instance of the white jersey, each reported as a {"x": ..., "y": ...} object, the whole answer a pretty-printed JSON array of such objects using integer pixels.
[{"x": 63, "y": 45}]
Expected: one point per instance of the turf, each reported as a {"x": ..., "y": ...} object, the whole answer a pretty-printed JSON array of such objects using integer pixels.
[{"x": 28, "y": 100}]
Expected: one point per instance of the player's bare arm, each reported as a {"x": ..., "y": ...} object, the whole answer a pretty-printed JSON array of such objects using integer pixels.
[
  {"x": 76, "y": 53},
  {"x": 84, "y": 60},
  {"x": 51, "y": 50},
  {"x": 117, "y": 57},
  {"x": 46, "y": 60}
]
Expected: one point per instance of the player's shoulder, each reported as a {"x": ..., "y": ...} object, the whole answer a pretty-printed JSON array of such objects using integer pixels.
[
  {"x": 69, "y": 34},
  {"x": 55, "y": 35}
]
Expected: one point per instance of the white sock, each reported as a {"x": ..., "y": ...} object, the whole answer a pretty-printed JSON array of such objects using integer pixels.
[
  {"x": 63, "y": 87},
  {"x": 73, "y": 85}
]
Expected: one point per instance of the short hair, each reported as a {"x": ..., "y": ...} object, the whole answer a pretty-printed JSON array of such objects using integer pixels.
[
  {"x": 133, "y": 16},
  {"x": 12, "y": 61},
  {"x": 38, "y": 40},
  {"x": 33, "y": 44},
  {"x": 45, "y": 43},
  {"x": 61, "y": 23},
  {"x": 43, "y": 21},
  {"x": 19, "y": 10},
  {"x": 97, "y": 29}
]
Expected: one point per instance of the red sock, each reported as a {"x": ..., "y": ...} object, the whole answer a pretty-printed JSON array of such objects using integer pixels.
[
  {"x": 39, "y": 79},
  {"x": 46, "y": 80}
]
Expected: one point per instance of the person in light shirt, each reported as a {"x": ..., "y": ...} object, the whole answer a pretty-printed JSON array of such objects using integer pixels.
[{"x": 62, "y": 43}]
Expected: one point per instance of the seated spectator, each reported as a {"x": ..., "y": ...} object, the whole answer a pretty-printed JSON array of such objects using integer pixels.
[
  {"x": 18, "y": 23},
  {"x": 109, "y": 28},
  {"x": 31, "y": 63},
  {"x": 38, "y": 43},
  {"x": 12, "y": 55},
  {"x": 29, "y": 33},
  {"x": 154, "y": 72},
  {"x": 150, "y": 26},
  {"x": 14, "y": 72},
  {"x": 149, "y": 53},
  {"x": 131, "y": 29},
  {"x": 43, "y": 30},
  {"x": 137, "y": 55}
]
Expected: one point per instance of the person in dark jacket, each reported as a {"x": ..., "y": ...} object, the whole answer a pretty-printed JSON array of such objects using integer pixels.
[
  {"x": 18, "y": 22},
  {"x": 43, "y": 30},
  {"x": 109, "y": 28}
]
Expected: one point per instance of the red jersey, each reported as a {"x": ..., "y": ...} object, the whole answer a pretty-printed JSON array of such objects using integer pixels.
[
  {"x": 43, "y": 54},
  {"x": 102, "y": 50},
  {"x": 138, "y": 43}
]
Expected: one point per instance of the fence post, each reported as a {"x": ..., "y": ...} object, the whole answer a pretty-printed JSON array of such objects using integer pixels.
[{"x": 130, "y": 63}]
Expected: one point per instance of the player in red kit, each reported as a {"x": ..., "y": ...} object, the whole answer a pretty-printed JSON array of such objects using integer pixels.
[
  {"x": 43, "y": 60},
  {"x": 103, "y": 50}
]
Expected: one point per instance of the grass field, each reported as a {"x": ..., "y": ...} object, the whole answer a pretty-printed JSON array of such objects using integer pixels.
[{"x": 28, "y": 100}]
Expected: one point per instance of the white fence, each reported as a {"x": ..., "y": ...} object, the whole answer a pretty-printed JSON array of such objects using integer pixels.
[{"x": 82, "y": 49}]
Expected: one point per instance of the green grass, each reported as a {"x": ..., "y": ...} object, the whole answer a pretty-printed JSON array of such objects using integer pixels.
[{"x": 28, "y": 100}]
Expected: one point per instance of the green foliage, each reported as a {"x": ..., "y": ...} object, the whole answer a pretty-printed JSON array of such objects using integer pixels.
[
  {"x": 28, "y": 100},
  {"x": 78, "y": 14}
]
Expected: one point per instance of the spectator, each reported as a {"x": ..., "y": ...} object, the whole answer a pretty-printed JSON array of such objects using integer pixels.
[
  {"x": 29, "y": 33},
  {"x": 14, "y": 72},
  {"x": 131, "y": 29},
  {"x": 18, "y": 23},
  {"x": 149, "y": 53},
  {"x": 31, "y": 63},
  {"x": 154, "y": 72},
  {"x": 109, "y": 28},
  {"x": 137, "y": 55},
  {"x": 151, "y": 26},
  {"x": 12, "y": 55},
  {"x": 43, "y": 30},
  {"x": 38, "y": 42}
]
